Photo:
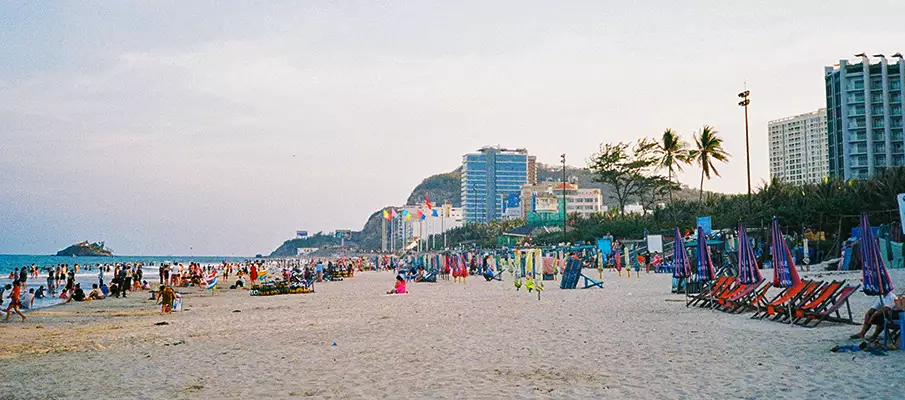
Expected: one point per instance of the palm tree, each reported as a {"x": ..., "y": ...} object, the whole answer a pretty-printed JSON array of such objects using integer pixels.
[
  {"x": 709, "y": 148},
  {"x": 672, "y": 153}
]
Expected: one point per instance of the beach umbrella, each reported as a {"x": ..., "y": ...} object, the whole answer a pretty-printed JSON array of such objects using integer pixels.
[
  {"x": 875, "y": 277},
  {"x": 681, "y": 269},
  {"x": 748, "y": 271},
  {"x": 784, "y": 272},
  {"x": 704, "y": 263}
]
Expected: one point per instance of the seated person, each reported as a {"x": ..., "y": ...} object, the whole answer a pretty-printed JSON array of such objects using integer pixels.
[
  {"x": 114, "y": 289},
  {"x": 40, "y": 293},
  {"x": 400, "y": 286},
  {"x": 28, "y": 300},
  {"x": 78, "y": 294},
  {"x": 874, "y": 317},
  {"x": 145, "y": 285},
  {"x": 419, "y": 276},
  {"x": 105, "y": 290},
  {"x": 96, "y": 293},
  {"x": 489, "y": 274}
]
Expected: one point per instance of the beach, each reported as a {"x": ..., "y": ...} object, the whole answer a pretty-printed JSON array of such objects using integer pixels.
[{"x": 630, "y": 339}]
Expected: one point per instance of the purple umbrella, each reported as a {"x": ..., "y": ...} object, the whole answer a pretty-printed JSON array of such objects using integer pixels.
[
  {"x": 784, "y": 272},
  {"x": 748, "y": 271},
  {"x": 704, "y": 263},
  {"x": 875, "y": 280},
  {"x": 680, "y": 267}
]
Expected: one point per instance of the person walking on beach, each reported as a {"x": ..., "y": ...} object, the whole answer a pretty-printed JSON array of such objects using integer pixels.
[{"x": 14, "y": 302}]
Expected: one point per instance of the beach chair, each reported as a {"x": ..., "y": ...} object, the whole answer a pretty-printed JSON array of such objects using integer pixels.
[
  {"x": 709, "y": 298},
  {"x": 764, "y": 306},
  {"x": 894, "y": 330},
  {"x": 749, "y": 302},
  {"x": 818, "y": 316},
  {"x": 742, "y": 291},
  {"x": 590, "y": 282},
  {"x": 819, "y": 301},
  {"x": 782, "y": 311},
  {"x": 571, "y": 274},
  {"x": 707, "y": 292}
]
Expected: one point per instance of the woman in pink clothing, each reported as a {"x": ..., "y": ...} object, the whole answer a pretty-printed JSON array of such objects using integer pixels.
[{"x": 400, "y": 286}]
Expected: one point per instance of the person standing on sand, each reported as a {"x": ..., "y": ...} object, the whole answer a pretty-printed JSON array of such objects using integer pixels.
[
  {"x": 160, "y": 273},
  {"x": 125, "y": 281},
  {"x": 14, "y": 302},
  {"x": 100, "y": 277}
]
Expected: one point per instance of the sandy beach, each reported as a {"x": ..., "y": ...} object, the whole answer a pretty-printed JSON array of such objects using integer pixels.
[{"x": 444, "y": 340}]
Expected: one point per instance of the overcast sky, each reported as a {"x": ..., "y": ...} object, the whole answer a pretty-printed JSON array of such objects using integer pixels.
[{"x": 171, "y": 128}]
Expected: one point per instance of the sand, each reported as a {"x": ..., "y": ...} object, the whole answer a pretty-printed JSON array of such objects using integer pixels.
[{"x": 444, "y": 341}]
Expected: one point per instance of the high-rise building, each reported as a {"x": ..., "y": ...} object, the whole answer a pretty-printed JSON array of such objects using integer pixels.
[
  {"x": 798, "y": 148},
  {"x": 864, "y": 116},
  {"x": 489, "y": 177}
]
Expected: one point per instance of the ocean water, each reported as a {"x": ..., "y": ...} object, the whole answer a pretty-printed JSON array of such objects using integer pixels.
[
  {"x": 10, "y": 261},
  {"x": 88, "y": 276}
]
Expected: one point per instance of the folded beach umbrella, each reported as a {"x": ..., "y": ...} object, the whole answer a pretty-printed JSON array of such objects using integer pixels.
[
  {"x": 705, "y": 264},
  {"x": 681, "y": 268},
  {"x": 748, "y": 271},
  {"x": 784, "y": 272},
  {"x": 875, "y": 277}
]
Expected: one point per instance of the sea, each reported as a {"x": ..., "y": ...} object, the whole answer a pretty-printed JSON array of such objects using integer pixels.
[{"x": 88, "y": 269}]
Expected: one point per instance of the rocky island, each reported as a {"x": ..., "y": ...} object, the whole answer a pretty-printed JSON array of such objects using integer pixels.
[{"x": 85, "y": 249}]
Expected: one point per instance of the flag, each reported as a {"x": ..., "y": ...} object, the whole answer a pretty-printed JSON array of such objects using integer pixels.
[
  {"x": 434, "y": 213},
  {"x": 408, "y": 217},
  {"x": 427, "y": 201},
  {"x": 420, "y": 214},
  {"x": 386, "y": 214},
  {"x": 393, "y": 214}
]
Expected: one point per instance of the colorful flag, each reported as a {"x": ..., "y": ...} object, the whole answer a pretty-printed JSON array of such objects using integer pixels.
[
  {"x": 420, "y": 214},
  {"x": 427, "y": 200},
  {"x": 393, "y": 214},
  {"x": 386, "y": 214},
  {"x": 434, "y": 212}
]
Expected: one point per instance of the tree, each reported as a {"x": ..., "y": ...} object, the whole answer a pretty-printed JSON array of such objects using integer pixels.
[
  {"x": 672, "y": 154},
  {"x": 709, "y": 148},
  {"x": 625, "y": 167}
]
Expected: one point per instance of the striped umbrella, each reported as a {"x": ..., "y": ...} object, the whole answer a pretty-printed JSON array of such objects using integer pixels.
[
  {"x": 705, "y": 264},
  {"x": 876, "y": 280},
  {"x": 748, "y": 271},
  {"x": 784, "y": 272},
  {"x": 681, "y": 268}
]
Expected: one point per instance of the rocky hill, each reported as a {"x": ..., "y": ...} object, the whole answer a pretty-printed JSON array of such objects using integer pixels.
[{"x": 85, "y": 249}]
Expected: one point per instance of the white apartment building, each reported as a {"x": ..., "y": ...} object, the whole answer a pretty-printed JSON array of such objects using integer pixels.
[
  {"x": 546, "y": 197},
  {"x": 448, "y": 217},
  {"x": 798, "y": 148}
]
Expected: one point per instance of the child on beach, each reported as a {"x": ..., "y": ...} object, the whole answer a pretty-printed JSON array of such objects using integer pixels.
[
  {"x": 167, "y": 297},
  {"x": 400, "y": 286},
  {"x": 14, "y": 301}
]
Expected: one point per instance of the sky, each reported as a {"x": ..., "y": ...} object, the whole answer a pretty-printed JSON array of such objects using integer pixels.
[{"x": 221, "y": 128}]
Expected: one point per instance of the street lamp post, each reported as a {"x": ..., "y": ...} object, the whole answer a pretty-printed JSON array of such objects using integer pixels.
[
  {"x": 565, "y": 213},
  {"x": 744, "y": 103}
]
